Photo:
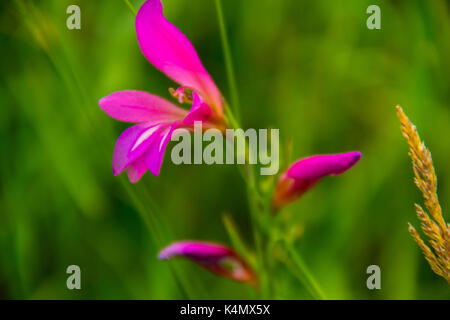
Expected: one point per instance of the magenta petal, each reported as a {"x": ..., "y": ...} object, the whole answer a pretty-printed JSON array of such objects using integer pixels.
[
  {"x": 136, "y": 170},
  {"x": 172, "y": 53},
  {"x": 155, "y": 152},
  {"x": 213, "y": 257},
  {"x": 306, "y": 172},
  {"x": 315, "y": 167},
  {"x": 131, "y": 145},
  {"x": 140, "y": 106},
  {"x": 200, "y": 111},
  {"x": 195, "y": 250}
]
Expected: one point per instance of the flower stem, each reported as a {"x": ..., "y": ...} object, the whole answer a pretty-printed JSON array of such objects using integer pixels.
[
  {"x": 305, "y": 274},
  {"x": 228, "y": 60},
  {"x": 131, "y": 7}
]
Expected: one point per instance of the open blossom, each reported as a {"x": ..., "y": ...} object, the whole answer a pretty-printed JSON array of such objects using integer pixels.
[
  {"x": 213, "y": 257},
  {"x": 142, "y": 146},
  {"x": 305, "y": 173}
]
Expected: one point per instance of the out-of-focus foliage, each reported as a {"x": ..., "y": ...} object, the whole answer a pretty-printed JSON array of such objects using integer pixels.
[{"x": 310, "y": 68}]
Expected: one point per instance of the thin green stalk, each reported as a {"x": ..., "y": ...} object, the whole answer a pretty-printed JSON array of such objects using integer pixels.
[
  {"x": 131, "y": 7},
  {"x": 236, "y": 240},
  {"x": 254, "y": 200},
  {"x": 304, "y": 274},
  {"x": 262, "y": 271},
  {"x": 228, "y": 60}
]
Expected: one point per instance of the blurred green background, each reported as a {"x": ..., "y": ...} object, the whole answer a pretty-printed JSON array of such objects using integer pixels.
[{"x": 310, "y": 68}]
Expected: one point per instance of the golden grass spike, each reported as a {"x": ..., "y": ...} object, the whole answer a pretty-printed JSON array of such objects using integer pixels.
[
  {"x": 434, "y": 227},
  {"x": 429, "y": 255}
]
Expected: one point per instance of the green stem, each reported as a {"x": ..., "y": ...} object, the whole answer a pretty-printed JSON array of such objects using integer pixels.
[
  {"x": 236, "y": 240},
  {"x": 228, "y": 60},
  {"x": 254, "y": 200},
  {"x": 131, "y": 7},
  {"x": 304, "y": 274}
]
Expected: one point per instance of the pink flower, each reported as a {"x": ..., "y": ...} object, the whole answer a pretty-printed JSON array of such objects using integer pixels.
[
  {"x": 305, "y": 173},
  {"x": 213, "y": 257},
  {"x": 142, "y": 146}
]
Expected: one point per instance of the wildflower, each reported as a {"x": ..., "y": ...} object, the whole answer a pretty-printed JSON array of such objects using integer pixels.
[
  {"x": 213, "y": 257},
  {"x": 306, "y": 172},
  {"x": 435, "y": 226},
  {"x": 142, "y": 146}
]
